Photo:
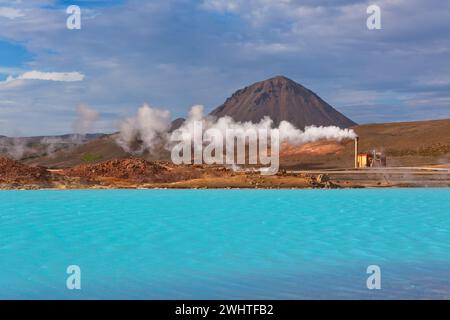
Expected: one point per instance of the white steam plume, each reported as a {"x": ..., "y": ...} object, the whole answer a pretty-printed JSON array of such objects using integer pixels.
[
  {"x": 20, "y": 148},
  {"x": 294, "y": 136},
  {"x": 149, "y": 128},
  {"x": 288, "y": 132},
  {"x": 16, "y": 148},
  {"x": 86, "y": 118}
]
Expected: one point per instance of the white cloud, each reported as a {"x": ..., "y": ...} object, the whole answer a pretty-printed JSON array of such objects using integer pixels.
[
  {"x": 267, "y": 48},
  {"x": 427, "y": 100},
  {"x": 355, "y": 97},
  {"x": 434, "y": 80},
  {"x": 260, "y": 11},
  {"x": 11, "y": 13},
  {"x": 48, "y": 76},
  {"x": 322, "y": 44},
  {"x": 221, "y": 6}
]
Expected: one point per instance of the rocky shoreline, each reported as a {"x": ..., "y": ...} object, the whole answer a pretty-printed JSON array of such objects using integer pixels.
[{"x": 137, "y": 173}]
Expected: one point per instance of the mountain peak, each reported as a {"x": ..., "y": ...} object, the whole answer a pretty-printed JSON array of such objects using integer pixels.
[
  {"x": 279, "y": 81},
  {"x": 282, "y": 79},
  {"x": 281, "y": 98}
]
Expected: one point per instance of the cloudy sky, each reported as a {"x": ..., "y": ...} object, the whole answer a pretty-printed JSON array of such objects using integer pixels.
[{"x": 176, "y": 53}]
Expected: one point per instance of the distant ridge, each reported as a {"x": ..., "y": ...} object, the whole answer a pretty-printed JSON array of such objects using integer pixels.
[
  {"x": 176, "y": 124},
  {"x": 281, "y": 98}
]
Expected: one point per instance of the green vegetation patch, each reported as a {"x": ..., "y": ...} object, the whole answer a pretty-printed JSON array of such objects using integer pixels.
[{"x": 90, "y": 157}]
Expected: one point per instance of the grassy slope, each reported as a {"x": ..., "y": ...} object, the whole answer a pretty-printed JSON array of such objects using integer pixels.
[{"x": 101, "y": 149}]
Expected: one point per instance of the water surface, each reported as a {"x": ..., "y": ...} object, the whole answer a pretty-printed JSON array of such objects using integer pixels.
[{"x": 225, "y": 244}]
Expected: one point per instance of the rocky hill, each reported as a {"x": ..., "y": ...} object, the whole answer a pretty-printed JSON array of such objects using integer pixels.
[{"x": 281, "y": 98}]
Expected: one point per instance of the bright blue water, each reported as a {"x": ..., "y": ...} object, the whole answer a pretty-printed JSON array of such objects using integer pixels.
[{"x": 225, "y": 244}]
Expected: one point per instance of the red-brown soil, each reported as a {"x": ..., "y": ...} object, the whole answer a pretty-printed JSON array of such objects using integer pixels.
[
  {"x": 139, "y": 173},
  {"x": 11, "y": 170},
  {"x": 134, "y": 169},
  {"x": 311, "y": 149}
]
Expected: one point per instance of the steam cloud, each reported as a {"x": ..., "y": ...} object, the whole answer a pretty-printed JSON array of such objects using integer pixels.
[
  {"x": 150, "y": 129},
  {"x": 86, "y": 118},
  {"x": 20, "y": 148},
  {"x": 13, "y": 147}
]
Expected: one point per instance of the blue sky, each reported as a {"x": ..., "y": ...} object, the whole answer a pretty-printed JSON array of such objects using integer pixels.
[{"x": 176, "y": 53}]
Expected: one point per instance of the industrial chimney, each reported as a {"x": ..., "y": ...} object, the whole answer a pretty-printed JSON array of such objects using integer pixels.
[{"x": 356, "y": 151}]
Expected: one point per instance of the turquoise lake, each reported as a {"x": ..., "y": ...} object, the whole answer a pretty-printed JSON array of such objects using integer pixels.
[{"x": 225, "y": 244}]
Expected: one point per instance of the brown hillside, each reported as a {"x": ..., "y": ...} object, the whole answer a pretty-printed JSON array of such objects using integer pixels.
[
  {"x": 405, "y": 144},
  {"x": 98, "y": 150},
  {"x": 134, "y": 169},
  {"x": 14, "y": 172}
]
